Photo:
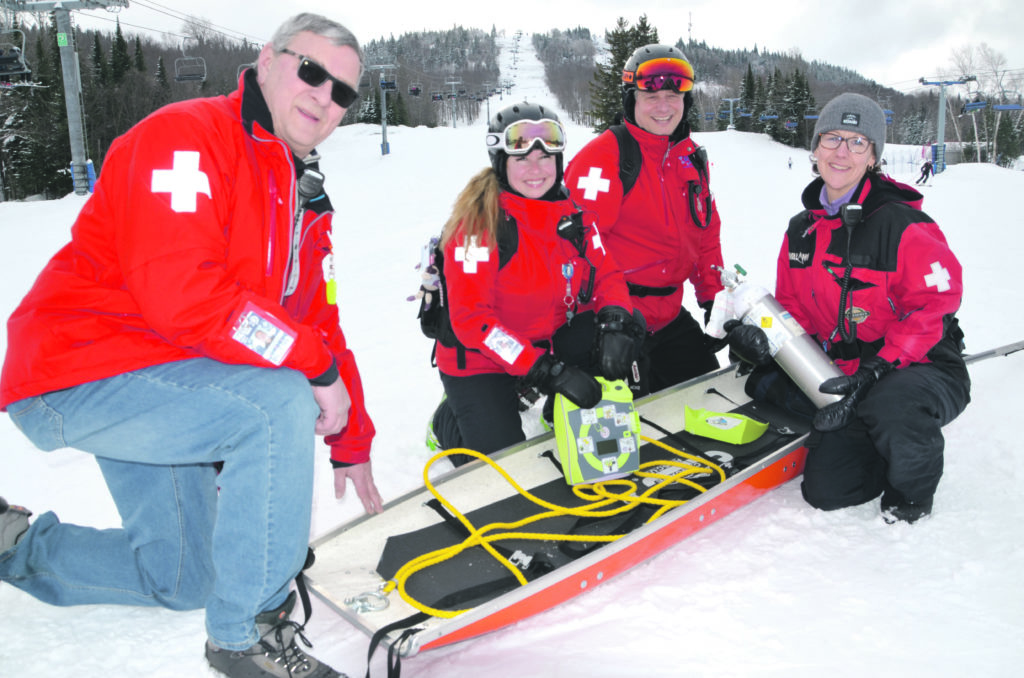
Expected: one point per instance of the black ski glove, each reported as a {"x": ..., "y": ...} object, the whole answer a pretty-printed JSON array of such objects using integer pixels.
[
  {"x": 618, "y": 339},
  {"x": 853, "y": 387},
  {"x": 747, "y": 342},
  {"x": 706, "y": 307},
  {"x": 551, "y": 375}
]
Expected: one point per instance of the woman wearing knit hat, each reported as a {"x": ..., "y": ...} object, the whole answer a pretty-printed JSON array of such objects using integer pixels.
[{"x": 871, "y": 277}]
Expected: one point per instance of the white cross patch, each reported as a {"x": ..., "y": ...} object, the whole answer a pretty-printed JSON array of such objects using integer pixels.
[
  {"x": 938, "y": 278},
  {"x": 470, "y": 255},
  {"x": 592, "y": 184},
  {"x": 184, "y": 181}
]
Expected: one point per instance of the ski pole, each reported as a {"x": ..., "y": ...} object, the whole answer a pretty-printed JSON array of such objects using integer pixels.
[{"x": 996, "y": 352}]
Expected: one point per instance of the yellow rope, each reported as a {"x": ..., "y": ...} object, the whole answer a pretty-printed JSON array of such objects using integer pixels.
[{"x": 621, "y": 492}]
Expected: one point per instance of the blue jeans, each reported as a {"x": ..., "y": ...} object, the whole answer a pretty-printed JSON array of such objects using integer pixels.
[{"x": 190, "y": 537}]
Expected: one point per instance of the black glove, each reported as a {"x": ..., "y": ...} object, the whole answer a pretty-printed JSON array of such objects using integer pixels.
[
  {"x": 551, "y": 375},
  {"x": 707, "y": 306},
  {"x": 618, "y": 339},
  {"x": 853, "y": 387},
  {"x": 747, "y": 342}
]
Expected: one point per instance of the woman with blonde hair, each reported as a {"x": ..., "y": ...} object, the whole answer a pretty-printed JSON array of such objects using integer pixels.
[{"x": 522, "y": 267}]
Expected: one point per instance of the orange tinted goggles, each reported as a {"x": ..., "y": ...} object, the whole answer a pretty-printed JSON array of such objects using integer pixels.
[{"x": 659, "y": 74}]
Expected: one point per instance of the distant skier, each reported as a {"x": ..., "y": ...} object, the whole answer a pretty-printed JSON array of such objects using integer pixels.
[
  {"x": 878, "y": 287},
  {"x": 926, "y": 171},
  {"x": 790, "y": 162}
]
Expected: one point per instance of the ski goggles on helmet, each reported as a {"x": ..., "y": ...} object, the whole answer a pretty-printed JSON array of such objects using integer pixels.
[
  {"x": 658, "y": 74},
  {"x": 314, "y": 75},
  {"x": 521, "y": 136}
]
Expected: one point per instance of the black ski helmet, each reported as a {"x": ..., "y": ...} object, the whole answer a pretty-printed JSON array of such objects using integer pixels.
[
  {"x": 499, "y": 158},
  {"x": 640, "y": 56}
]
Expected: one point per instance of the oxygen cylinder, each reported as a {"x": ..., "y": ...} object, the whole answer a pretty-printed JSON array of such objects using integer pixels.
[{"x": 793, "y": 349}]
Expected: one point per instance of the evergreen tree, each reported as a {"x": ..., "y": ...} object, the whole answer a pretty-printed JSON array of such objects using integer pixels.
[
  {"x": 162, "y": 91},
  {"x": 369, "y": 110},
  {"x": 748, "y": 100},
  {"x": 100, "y": 71},
  {"x": 606, "y": 88},
  {"x": 138, "y": 59},
  {"x": 643, "y": 34},
  {"x": 120, "y": 62},
  {"x": 37, "y": 142}
]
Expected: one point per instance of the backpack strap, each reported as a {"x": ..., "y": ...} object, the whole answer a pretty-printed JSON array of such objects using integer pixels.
[{"x": 630, "y": 157}]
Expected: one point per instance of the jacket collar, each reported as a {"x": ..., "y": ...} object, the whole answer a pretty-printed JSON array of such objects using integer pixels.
[
  {"x": 255, "y": 112},
  {"x": 658, "y": 142},
  {"x": 873, "y": 191}
]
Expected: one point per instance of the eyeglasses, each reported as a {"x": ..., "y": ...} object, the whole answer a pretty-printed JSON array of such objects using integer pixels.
[
  {"x": 521, "y": 136},
  {"x": 857, "y": 144},
  {"x": 659, "y": 74},
  {"x": 314, "y": 75}
]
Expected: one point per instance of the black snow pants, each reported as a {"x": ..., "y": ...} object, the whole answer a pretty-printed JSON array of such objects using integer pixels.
[
  {"x": 480, "y": 412},
  {"x": 895, "y": 443}
]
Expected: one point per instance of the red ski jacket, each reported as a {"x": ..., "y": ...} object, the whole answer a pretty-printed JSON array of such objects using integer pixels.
[
  {"x": 183, "y": 251},
  {"x": 905, "y": 284},
  {"x": 500, "y": 312},
  {"x": 664, "y": 232}
]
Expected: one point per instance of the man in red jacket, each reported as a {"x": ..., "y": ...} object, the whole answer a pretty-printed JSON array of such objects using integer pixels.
[
  {"x": 663, "y": 231},
  {"x": 189, "y": 326}
]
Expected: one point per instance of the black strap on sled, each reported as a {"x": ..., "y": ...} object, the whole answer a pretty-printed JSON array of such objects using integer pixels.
[
  {"x": 300, "y": 585},
  {"x": 409, "y": 624}
]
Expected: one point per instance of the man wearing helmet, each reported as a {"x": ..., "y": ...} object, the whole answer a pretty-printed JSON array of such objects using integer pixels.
[
  {"x": 521, "y": 265},
  {"x": 665, "y": 229}
]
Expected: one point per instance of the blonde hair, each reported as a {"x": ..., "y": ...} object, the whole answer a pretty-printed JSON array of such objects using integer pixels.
[{"x": 476, "y": 211}]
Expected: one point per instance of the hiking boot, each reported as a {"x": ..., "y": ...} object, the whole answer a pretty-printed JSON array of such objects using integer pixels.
[
  {"x": 433, "y": 443},
  {"x": 13, "y": 524},
  {"x": 276, "y": 655},
  {"x": 528, "y": 397},
  {"x": 896, "y": 509}
]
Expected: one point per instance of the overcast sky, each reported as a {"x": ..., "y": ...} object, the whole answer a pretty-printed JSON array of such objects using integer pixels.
[{"x": 894, "y": 42}]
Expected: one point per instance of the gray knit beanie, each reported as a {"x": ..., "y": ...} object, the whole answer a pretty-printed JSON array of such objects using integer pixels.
[{"x": 854, "y": 113}]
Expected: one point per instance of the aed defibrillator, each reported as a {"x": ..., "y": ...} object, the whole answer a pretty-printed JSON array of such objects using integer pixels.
[{"x": 598, "y": 443}]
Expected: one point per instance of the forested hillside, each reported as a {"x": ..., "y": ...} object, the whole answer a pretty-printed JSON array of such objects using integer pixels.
[{"x": 444, "y": 78}]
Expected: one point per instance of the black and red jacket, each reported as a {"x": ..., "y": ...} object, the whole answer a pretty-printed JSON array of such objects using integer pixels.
[{"x": 904, "y": 287}]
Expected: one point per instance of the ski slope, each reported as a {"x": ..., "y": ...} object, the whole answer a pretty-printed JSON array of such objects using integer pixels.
[{"x": 776, "y": 589}]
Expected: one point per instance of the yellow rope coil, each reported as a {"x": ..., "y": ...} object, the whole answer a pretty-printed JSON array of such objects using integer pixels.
[{"x": 619, "y": 494}]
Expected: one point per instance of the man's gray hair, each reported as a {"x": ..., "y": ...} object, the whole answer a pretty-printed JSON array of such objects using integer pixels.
[{"x": 318, "y": 25}]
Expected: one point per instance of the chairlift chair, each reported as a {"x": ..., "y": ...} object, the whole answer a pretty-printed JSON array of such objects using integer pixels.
[
  {"x": 12, "y": 56},
  {"x": 415, "y": 89},
  {"x": 768, "y": 115},
  {"x": 188, "y": 68}
]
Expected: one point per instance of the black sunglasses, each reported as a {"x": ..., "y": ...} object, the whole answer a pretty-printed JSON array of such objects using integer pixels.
[{"x": 314, "y": 75}]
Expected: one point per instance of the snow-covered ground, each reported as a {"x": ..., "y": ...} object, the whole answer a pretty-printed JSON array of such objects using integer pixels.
[{"x": 776, "y": 589}]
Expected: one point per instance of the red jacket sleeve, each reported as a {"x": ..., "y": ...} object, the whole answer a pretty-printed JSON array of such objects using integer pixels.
[
  {"x": 928, "y": 287},
  {"x": 311, "y": 306}
]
